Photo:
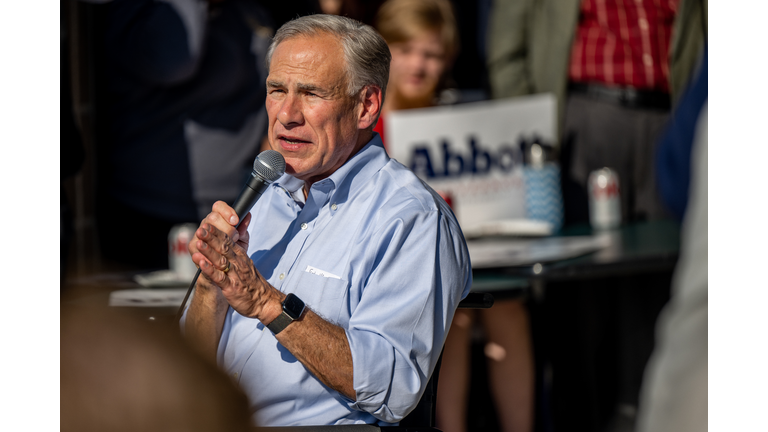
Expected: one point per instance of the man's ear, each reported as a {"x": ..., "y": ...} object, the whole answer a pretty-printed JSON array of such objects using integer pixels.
[{"x": 370, "y": 107}]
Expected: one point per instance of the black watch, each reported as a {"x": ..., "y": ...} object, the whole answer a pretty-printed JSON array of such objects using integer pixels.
[{"x": 293, "y": 307}]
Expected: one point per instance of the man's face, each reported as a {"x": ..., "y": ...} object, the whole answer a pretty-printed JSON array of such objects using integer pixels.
[
  {"x": 417, "y": 66},
  {"x": 312, "y": 121}
]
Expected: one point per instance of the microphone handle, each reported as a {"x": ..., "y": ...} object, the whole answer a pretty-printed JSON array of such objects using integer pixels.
[
  {"x": 186, "y": 296},
  {"x": 248, "y": 196}
]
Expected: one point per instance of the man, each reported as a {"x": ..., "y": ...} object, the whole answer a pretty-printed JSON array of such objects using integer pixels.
[
  {"x": 375, "y": 255},
  {"x": 615, "y": 67}
]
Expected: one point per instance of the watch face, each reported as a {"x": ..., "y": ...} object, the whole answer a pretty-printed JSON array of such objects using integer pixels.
[{"x": 293, "y": 306}]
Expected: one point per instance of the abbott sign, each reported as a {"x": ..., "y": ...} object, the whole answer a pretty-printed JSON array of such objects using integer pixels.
[{"x": 472, "y": 153}]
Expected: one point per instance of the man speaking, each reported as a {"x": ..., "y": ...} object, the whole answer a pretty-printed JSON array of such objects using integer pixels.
[{"x": 330, "y": 303}]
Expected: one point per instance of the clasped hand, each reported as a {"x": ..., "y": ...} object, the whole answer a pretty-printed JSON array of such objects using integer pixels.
[{"x": 220, "y": 250}]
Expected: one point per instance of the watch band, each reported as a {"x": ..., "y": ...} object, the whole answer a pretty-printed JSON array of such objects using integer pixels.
[
  {"x": 293, "y": 307},
  {"x": 280, "y": 323}
]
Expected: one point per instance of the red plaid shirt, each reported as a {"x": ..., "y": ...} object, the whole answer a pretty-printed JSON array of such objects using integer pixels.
[{"x": 623, "y": 43}]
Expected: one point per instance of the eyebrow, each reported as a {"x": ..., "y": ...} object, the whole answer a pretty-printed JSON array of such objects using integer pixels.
[
  {"x": 300, "y": 86},
  {"x": 310, "y": 88}
]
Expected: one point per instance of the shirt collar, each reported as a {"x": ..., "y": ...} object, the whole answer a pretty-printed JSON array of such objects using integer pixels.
[{"x": 351, "y": 176}]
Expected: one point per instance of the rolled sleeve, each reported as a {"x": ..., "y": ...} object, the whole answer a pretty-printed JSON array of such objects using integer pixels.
[
  {"x": 375, "y": 363},
  {"x": 397, "y": 332}
]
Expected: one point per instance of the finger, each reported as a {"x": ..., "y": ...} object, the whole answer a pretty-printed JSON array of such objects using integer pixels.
[
  {"x": 212, "y": 263},
  {"x": 243, "y": 235},
  {"x": 215, "y": 275},
  {"x": 192, "y": 246},
  {"x": 216, "y": 246},
  {"x": 245, "y": 224},
  {"x": 227, "y": 213},
  {"x": 218, "y": 220}
]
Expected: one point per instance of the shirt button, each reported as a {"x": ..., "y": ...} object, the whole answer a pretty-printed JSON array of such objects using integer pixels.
[
  {"x": 647, "y": 59},
  {"x": 304, "y": 226},
  {"x": 282, "y": 276},
  {"x": 235, "y": 375},
  {"x": 334, "y": 207}
]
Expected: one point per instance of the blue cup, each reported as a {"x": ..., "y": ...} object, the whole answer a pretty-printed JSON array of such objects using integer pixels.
[{"x": 543, "y": 196}]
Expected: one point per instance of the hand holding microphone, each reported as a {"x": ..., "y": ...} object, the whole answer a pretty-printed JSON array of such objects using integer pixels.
[
  {"x": 214, "y": 241},
  {"x": 268, "y": 167}
]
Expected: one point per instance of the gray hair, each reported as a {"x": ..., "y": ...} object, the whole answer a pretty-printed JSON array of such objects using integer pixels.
[{"x": 366, "y": 54}]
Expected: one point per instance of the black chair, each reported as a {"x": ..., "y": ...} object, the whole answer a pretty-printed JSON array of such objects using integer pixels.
[{"x": 423, "y": 417}]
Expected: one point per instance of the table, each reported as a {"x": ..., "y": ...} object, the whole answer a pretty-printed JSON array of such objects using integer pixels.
[
  {"x": 593, "y": 311},
  {"x": 94, "y": 291},
  {"x": 631, "y": 249}
]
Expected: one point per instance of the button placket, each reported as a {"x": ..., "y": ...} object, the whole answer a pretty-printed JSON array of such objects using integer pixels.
[{"x": 319, "y": 195}]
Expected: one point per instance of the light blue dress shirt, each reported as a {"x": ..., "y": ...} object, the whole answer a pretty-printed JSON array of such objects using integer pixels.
[{"x": 373, "y": 250}]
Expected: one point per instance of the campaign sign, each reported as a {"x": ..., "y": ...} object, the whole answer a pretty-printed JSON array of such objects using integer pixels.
[{"x": 472, "y": 152}]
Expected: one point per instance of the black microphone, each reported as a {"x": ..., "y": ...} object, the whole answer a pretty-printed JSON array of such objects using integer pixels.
[{"x": 268, "y": 166}]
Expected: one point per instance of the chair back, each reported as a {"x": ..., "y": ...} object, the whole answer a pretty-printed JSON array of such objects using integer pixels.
[
  {"x": 424, "y": 415},
  {"x": 425, "y": 412}
]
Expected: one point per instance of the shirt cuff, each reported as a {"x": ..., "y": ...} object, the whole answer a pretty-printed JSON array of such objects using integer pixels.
[{"x": 379, "y": 372}]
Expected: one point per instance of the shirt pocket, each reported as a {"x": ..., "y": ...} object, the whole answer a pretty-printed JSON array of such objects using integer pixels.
[{"x": 324, "y": 295}]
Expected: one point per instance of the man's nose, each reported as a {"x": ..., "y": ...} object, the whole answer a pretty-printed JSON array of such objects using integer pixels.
[{"x": 290, "y": 111}]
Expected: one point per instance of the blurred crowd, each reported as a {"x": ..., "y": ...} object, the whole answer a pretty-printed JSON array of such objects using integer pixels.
[{"x": 162, "y": 112}]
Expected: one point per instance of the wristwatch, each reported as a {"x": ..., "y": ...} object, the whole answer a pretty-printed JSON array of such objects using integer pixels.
[{"x": 293, "y": 307}]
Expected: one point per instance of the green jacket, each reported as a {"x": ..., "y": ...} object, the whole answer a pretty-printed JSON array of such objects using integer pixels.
[{"x": 529, "y": 45}]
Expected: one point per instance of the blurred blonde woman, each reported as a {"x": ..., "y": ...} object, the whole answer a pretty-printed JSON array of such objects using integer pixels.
[{"x": 423, "y": 39}]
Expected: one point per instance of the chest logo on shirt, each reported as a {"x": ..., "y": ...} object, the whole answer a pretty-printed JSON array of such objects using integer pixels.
[{"x": 319, "y": 272}]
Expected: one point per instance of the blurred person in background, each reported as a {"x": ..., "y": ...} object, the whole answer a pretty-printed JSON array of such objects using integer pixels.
[
  {"x": 185, "y": 94},
  {"x": 616, "y": 68},
  {"x": 360, "y": 10},
  {"x": 424, "y": 40},
  {"x": 674, "y": 396}
]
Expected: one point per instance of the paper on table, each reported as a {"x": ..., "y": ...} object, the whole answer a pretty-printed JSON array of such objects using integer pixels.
[
  {"x": 510, "y": 227},
  {"x": 162, "y": 279},
  {"x": 504, "y": 252},
  {"x": 157, "y": 297}
]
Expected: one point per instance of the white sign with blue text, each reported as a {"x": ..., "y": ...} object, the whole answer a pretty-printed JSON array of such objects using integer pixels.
[{"x": 472, "y": 152}]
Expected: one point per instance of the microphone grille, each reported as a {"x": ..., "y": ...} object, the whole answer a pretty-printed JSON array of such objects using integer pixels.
[{"x": 269, "y": 165}]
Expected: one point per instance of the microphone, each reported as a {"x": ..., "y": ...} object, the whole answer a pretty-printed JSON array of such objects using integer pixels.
[{"x": 268, "y": 166}]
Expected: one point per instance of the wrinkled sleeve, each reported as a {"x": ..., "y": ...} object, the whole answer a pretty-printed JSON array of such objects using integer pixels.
[{"x": 418, "y": 274}]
